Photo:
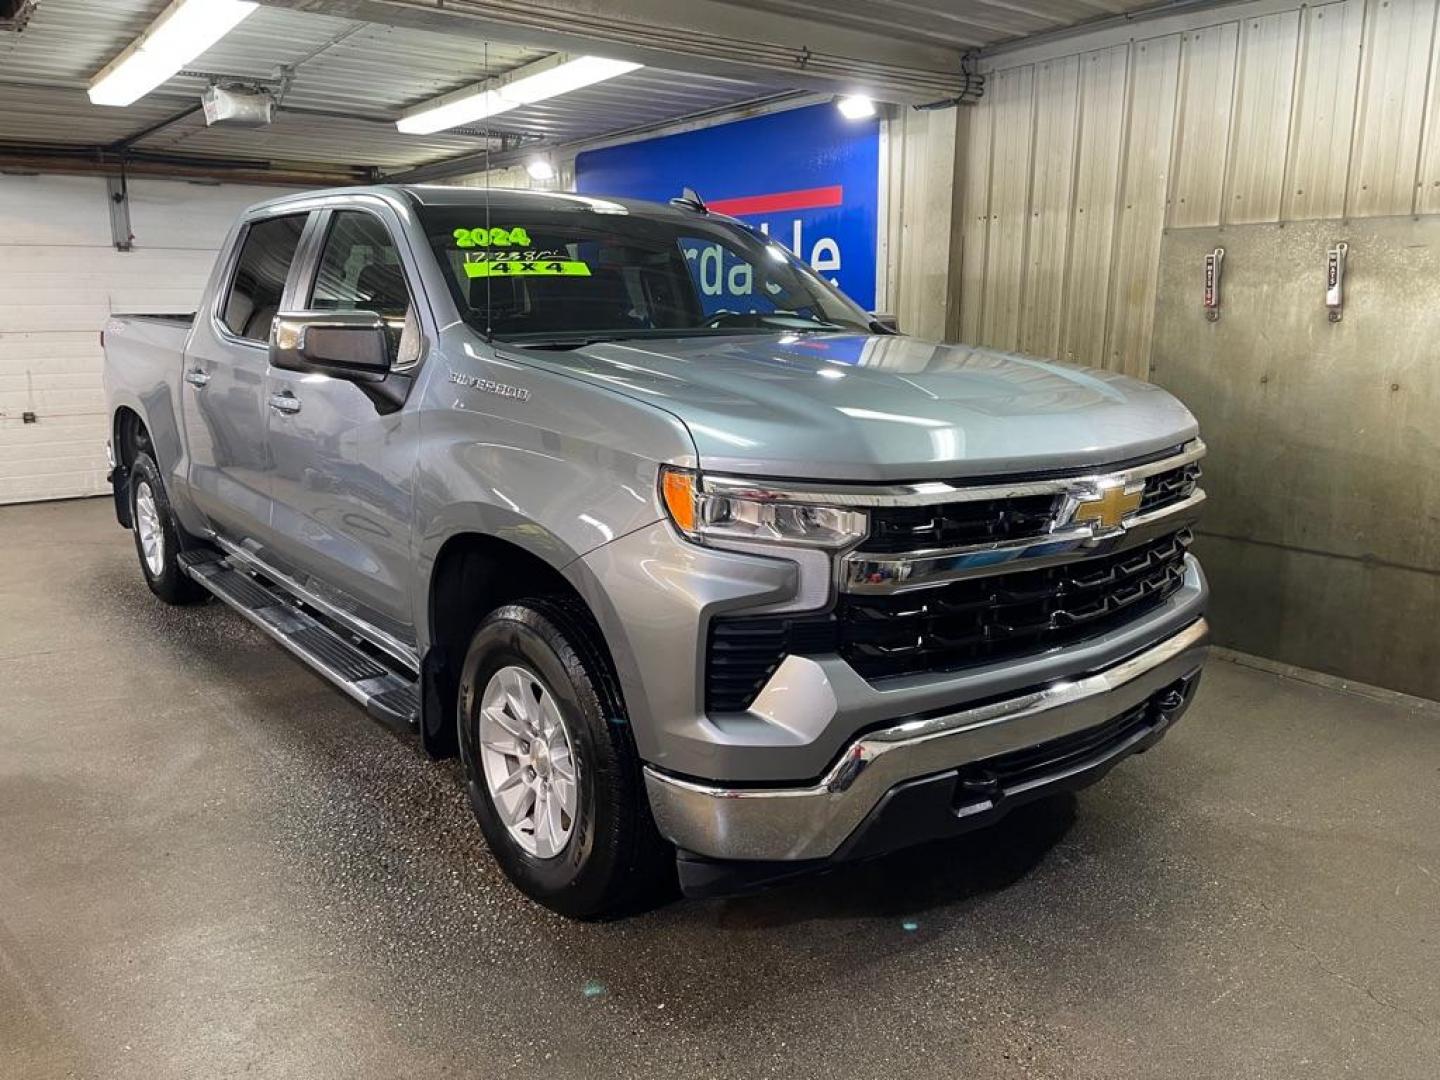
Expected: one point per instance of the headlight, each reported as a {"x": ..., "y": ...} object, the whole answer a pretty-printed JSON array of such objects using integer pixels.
[{"x": 754, "y": 516}]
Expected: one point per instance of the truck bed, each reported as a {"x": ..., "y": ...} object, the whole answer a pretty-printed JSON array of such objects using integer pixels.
[
  {"x": 145, "y": 362},
  {"x": 186, "y": 318}
]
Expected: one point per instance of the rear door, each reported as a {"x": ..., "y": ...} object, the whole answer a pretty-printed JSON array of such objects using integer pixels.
[
  {"x": 224, "y": 392},
  {"x": 343, "y": 469}
]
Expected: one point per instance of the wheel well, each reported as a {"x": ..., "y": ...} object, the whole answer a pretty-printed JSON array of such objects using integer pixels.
[
  {"x": 473, "y": 575},
  {"x": 131, "y": 437}
]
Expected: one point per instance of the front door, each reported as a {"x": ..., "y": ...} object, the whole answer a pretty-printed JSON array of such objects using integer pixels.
[
  {"x": 343, "y": 468},
  {"x": 224, "y": 390}
]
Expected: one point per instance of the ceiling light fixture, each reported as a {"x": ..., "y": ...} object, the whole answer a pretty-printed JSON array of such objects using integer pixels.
[
  {"x": 855, "y": 107},
  {"x": 540, "y": 168},
  {"x": 555, "y": 75},
  {"x": 182, "y": 32}
]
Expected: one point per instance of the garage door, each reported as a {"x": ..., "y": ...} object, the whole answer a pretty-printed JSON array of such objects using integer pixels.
[{"x": 60, "y": 278}]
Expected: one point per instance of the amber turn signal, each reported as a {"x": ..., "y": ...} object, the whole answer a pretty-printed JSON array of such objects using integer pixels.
[{"x": 677, "y": 489}]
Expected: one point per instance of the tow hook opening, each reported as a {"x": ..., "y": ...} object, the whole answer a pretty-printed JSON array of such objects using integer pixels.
[{"x": 1172, "y": 697}]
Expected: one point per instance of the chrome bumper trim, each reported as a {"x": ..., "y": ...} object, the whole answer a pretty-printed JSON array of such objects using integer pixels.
[{"x": 811, "y": 822}]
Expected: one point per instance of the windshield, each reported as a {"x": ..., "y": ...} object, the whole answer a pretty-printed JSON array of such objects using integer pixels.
[{"x": 568, "y": 275}]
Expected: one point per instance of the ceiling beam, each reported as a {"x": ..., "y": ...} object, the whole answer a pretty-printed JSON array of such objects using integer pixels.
[
  {"x": 99, "y": 161},
  {"x": 711, "y": 37}
]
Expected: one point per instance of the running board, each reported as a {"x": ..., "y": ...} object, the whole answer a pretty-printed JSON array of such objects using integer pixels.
[{"x": 388, "y": 695}]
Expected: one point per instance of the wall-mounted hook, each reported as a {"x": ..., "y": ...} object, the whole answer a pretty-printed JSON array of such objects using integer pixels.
[
  {"x": 1335, "y": 280},
  {"x": 1214, "y": 263}
]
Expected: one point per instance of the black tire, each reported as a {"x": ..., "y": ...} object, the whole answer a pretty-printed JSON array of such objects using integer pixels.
[
  {"x": 170, "y": 583},
  {"x": 614, "y": 861}
]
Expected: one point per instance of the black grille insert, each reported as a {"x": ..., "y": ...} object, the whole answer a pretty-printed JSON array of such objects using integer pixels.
[
  {"x": 943, "y": 525},
  {"x": 1170, "y": 487},
  {"x": 992, "y": 618}
]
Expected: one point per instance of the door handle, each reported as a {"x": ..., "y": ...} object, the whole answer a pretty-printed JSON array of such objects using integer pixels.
[
  {"x": 197, "y": 378},
  {"x": 286, "y": 403}
]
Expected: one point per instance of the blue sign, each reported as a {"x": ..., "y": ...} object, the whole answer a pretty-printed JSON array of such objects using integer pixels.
[{"x": 808, "y": 177}]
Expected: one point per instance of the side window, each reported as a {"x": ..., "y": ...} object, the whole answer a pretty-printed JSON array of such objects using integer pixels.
[
  {"x": 360, "y": 271},
  {"x": 259, "y": 282}
]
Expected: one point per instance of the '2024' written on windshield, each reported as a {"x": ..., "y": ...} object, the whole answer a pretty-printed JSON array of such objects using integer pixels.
[{"x": 523, "y": 260}]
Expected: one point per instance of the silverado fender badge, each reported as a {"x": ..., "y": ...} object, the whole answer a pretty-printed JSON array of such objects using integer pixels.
[{"x": 490, "y": 386}]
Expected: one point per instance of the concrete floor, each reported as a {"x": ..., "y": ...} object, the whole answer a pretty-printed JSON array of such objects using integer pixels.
[{"x": 212, "y": 864}]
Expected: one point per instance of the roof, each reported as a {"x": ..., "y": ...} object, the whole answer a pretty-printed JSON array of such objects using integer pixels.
[{"x": 517, "y": 199}]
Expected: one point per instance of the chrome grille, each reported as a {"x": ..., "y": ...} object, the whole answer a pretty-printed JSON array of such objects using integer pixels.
[
  {"x": 952, "y": 576},
  {"x": 900, "y": 529}
]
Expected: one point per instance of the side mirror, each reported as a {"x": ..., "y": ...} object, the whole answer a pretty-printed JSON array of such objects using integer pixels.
[
  {"x": 882, "y": 323},
  {"x": 345, "y": 344}
]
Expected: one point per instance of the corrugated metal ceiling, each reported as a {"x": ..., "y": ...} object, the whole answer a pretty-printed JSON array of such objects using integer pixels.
[
  {"x": 368, "y": 72},
  {"x": 363, "y": 75},
  {"x": 958, "y": 24}
]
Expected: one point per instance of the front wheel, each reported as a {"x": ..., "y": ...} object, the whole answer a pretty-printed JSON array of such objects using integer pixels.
[
  {"x": 552, "y": 772},
  {"x": 157, "y": 537}
]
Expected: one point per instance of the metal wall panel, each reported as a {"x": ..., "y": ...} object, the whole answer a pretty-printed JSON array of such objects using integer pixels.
[
  {"x": 1393, "y": 77},
  {"x": 1427, "y": 180},
  {"x": 1092, "y": 231},
  {"x": 1009, "y": 204},
  {"x": 1264, "y": 94},
  {"x": 1207, "y": 91},
  {"x": 974, "y": 218},
  {"x": 1319, "y": 162},
  {"x": 1275, "y": 118},
  {"x": 1324, "y": 466},
  {"x": 925, "y": 210},
  {"x": 1154, "y": 81},
  {"x": 1057, "y": 106}
]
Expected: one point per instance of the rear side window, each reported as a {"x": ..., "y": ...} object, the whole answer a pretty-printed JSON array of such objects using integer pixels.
[{"x": 259, "y": 282}]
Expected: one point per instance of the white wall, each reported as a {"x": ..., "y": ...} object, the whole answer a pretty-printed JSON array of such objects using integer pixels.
[{"x": 60, "y": 278}]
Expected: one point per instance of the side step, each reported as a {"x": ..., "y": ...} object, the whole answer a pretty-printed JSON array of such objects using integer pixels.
[{"x": 389, "y": 696}]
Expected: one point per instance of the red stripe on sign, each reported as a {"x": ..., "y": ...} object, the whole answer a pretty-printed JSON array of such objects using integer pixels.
[{"x": 807, "y": 199}]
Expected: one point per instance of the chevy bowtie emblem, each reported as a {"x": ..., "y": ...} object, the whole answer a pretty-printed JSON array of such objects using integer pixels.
[{"x": 1110, "y": 507}]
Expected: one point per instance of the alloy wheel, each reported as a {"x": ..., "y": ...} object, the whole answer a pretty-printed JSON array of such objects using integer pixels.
[{"x": 528, "y": 761}]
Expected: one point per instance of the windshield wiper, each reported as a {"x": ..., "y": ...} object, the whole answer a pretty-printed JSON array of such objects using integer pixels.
[{"x": 563, "y": 343}]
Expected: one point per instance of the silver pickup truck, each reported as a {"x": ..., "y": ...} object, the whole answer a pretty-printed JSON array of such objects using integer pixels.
[{"x": 695, "y": 564}]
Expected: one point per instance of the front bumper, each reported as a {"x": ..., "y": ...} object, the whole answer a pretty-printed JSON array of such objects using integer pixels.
[{"x": 818, "y": 822}]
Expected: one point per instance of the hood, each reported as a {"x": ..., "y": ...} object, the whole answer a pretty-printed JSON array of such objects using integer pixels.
[{"x": 882, "y": 408}]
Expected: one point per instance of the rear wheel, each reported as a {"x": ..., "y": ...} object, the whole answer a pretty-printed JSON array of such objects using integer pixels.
[
  {"x": 157, "y": 537},
  {"x": 552, "y": 772}
]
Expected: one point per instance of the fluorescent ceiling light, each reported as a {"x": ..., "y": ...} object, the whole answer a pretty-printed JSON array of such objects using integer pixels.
[
  {"x": 855, "y": 107},
  {"x": 182, "y": 32},
  {"x": 540, "y": 169},
  {"x": 555, "y": 75}
]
